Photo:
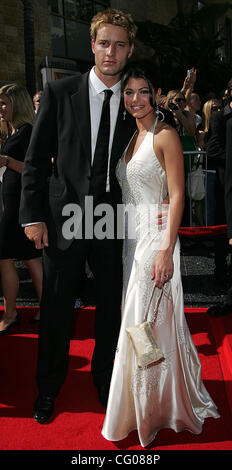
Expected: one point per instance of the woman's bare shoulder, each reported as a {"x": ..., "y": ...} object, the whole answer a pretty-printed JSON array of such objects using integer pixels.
[{"x": 164, "y": 129}]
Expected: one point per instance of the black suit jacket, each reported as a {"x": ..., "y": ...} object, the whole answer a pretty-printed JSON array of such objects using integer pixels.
[
  {"x": 228, "y": 176},
  {"x": 62, "y": 131},
  {"x": 216, "y": 138},
  {"x": 219, "y": 148},
  {"x": 219, "y": 152}
]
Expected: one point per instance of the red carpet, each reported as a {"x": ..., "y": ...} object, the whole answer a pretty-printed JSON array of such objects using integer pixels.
[{"x": 78, "y": 415}]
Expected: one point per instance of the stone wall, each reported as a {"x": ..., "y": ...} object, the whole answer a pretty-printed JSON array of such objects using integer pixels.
[
  {"x": 12, "y": 42},
  {"x": 12, "y": 58},
  {"x": 43, "y": 43}
]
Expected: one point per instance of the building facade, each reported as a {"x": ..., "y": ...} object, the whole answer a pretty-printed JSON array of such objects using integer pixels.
[{"x": 61, "y": 44}]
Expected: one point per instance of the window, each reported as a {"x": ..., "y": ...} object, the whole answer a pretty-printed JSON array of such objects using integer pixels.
[
  {"x": 224, "y": 31},
  {"x": 200, "y": 5},
  {"x": 70, "y": 20},
  {"x": 228, "y": 45}
]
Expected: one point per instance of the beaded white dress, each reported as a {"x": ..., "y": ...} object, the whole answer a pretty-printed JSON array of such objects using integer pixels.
[{"x": 168, "y": 394}]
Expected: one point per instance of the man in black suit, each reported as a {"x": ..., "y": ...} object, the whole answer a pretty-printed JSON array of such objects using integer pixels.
[
  {"x": 66, "y": 131},
  {"x": 219, "y": 151}
]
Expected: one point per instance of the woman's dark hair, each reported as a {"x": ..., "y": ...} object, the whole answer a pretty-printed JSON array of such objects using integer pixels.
[{"x": 144, "y": 70}]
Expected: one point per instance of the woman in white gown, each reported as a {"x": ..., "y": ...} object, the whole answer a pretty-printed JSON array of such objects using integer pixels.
[{"x": 170, "y": 393}]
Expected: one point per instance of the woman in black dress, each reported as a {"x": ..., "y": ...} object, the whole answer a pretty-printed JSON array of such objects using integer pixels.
[{"x": 16, "y": 108}]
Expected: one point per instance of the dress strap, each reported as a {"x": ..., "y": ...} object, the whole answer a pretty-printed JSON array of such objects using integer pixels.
[{"x": 154, "y": 125}]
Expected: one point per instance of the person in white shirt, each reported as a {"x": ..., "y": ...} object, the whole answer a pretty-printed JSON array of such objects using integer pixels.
[{"x": 56, "y": 208}]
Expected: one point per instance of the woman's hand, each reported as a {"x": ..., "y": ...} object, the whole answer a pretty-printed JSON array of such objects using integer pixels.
[
  {"x": 162, "y": 268},
  {"x": 2, "y": 160},
  {"x": 177, "y": 113},
  {"x": 190, "y": 80}
]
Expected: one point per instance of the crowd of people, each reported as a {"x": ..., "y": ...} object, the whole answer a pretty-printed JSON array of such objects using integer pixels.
[
  {"x": 109, "y": 135},
  {"x": 198, "y": 132}
]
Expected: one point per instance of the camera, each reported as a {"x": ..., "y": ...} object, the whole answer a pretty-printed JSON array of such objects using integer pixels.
[
  {"x": 189, "y": 73},
  {"x": 173, "y": 106}
]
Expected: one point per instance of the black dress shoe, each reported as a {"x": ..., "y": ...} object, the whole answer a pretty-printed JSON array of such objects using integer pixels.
[
  {"x": 221, "y": 277},
  {"x": 103, "y": 393},
  {"x": 16, "y": 321},
  {"x": 33, "y": 321},
  {"x": 43, "y": 409},
  {"x": 220, "y": 310}
]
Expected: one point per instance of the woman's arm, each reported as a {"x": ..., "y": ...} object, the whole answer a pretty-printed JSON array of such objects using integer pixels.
[
  {"x": 169, "y": 148},
  {"x": 187, "y": 120},
  {"x": 189, "y": 83},
  {"x": 10, "y": 162}
]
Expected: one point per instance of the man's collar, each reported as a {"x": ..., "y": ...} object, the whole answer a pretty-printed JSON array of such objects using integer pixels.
[{"x": 98, "y": 86}]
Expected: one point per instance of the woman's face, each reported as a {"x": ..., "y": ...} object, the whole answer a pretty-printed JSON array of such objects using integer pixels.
[
  {"x": 137, "y": 98},
  {"x": 5, "y": 108},
  {"x": 216, "y": 106}
]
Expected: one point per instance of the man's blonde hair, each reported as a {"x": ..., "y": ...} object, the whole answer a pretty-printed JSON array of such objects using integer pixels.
[
  {"x": 116, "y": 18},
  {"x": 22, "y": 105}
]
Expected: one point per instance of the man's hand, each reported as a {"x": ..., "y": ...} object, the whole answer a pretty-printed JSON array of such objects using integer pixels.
[
  {"x": 230, "y": 241},
  {"x": 38, "y": 234},
  {"x": 162, "y": 215},
  {"x": 2, "y": 160}
]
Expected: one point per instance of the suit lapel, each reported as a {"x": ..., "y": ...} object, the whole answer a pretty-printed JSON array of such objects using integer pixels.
[
  {"x": 80, "y": 104},
  {"x": 123, "y": 132}
]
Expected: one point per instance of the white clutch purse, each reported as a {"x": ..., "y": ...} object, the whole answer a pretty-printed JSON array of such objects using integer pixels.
[{"x": 141, "y": 336}]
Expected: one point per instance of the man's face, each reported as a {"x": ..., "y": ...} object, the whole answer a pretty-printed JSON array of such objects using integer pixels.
[
  {"x": 195, "y": 102},
  {"x": 111, "y": 49}
]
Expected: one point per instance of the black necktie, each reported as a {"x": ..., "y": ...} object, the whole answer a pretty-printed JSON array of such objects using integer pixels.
[{"x": 101, "y": 155}]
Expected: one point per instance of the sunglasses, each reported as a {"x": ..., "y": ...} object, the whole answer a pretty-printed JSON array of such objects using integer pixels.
[
  {"x": 178, "y": 100},
  {"x": 216, "y": 108}
]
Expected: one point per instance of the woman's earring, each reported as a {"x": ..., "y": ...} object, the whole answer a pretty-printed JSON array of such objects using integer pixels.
[
  {"x": 124, "y": 115},
  {"x": 158, "y": 112}
]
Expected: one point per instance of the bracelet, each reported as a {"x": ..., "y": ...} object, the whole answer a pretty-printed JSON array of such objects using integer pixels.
[{"x": 7, "y": 160}]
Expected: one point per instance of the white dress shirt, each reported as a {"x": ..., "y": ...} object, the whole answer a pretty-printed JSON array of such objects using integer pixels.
[{"x": 96, "y": 98}]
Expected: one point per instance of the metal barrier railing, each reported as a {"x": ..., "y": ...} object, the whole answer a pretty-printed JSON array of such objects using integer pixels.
[{"x": 200, "y": 211}]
